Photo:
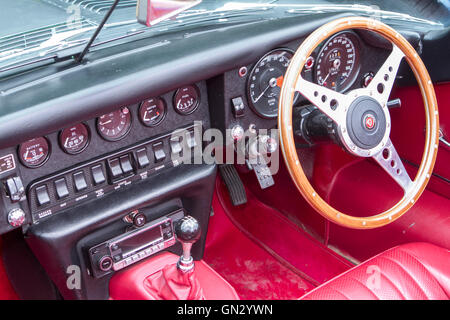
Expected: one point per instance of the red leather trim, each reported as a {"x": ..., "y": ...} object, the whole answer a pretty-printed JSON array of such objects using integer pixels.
[
  {"x": 411, "y": 271},
  {"x": 130, "y": 284}
]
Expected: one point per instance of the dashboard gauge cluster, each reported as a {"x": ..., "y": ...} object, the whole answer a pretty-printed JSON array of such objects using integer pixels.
[
  {"x": 337, "y": 63},
  {"x": 112, "y": 126}
]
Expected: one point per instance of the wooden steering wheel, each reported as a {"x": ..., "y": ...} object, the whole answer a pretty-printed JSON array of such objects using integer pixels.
[{"x": 345, "y": 111}]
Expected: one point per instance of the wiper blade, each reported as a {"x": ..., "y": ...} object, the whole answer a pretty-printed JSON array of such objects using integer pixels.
[{"x": 97, "y": 31}]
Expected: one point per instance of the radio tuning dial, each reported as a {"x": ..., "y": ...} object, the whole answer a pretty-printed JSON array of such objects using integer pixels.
[{"x": 105, "y": 263}]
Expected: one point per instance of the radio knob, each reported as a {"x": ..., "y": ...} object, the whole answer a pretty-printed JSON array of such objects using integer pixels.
[
  {"x": 139, "y": 220},
  {"x": 16, "y": 217},
  {"x": 105, "y": 263}
]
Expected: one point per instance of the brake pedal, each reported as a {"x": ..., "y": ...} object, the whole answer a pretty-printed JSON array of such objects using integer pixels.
[{"x": 234, "y": 184}]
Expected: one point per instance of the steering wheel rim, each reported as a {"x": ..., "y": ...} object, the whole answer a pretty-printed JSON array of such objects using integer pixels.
[{"x": 294, "y": 82}]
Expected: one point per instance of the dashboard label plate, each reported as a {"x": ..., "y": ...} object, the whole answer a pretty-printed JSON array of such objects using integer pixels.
[{"x": 7, "y": 163}]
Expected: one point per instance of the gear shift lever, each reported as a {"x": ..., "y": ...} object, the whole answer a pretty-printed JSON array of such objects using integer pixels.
[{"x": 188, "y": 232}]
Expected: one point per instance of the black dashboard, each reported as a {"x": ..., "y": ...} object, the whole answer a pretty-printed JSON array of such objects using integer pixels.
[{"x": 81, "y": 146}]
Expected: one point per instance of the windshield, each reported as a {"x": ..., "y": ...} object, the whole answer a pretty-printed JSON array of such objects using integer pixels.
[{"x": 36, "y": 29}]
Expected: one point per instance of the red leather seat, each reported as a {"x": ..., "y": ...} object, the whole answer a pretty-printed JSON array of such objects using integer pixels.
[{"x": 413, "y": 271}]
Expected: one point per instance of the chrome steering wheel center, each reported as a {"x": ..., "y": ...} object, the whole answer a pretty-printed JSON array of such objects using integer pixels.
[
  {"x": 366, "y": 122},
  {"x": 365, "y": 125}
]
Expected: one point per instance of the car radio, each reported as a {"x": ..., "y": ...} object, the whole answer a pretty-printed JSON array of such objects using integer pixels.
[{"x": 134, "y": 245}]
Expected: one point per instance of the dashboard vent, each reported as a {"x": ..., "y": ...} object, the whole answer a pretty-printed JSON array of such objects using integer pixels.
[
  {"x": 36, "y": 37},
  {"x": 98, "y": 6}
]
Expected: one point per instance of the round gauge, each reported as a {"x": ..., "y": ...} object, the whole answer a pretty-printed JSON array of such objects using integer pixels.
[
  {"x": 186, "y": 99},
  {"x": 265, "y": 80},
  {"x": 74, "y": 139},
  {"x": 152, "y": 111},
  {"x": 338, "y": 62},
  {"x": 33, "y": 153},
  {"x": 115, "y": 125}
]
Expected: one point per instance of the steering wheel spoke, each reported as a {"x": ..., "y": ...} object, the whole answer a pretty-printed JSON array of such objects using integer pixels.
[
  {"x": 382, "y": 83},
  {"x": 390, "y": 161},
  {"x": 330, "y": 102}
]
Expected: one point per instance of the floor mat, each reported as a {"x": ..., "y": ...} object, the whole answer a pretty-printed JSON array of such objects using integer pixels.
[
  {"x": 283, "y": 239},
  {"x": 251, "y": 270}
]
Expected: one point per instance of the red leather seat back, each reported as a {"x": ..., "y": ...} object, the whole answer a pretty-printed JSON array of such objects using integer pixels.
[{"x": 413, "y": 271}]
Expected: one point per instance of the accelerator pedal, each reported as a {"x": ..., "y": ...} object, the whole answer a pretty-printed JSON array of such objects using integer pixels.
[{"x": 234, "y": 184}]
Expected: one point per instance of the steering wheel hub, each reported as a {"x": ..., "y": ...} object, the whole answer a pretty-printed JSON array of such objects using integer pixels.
[{"x": 366, "y": 122}]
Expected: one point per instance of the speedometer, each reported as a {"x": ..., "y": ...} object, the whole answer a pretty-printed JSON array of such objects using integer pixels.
[
  {"x": 338, "y": 62},
  {"x": 265, "y": 80}
]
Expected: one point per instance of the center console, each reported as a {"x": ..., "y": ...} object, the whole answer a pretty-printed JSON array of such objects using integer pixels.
[{"x": 100, "y": 196}]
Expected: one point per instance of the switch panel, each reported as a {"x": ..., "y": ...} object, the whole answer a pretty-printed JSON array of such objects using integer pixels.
[{"x": 100, "y": 176}]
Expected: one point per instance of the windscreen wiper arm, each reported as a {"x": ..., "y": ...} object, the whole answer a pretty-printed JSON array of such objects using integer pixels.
[{"x": 80, "y": 57}]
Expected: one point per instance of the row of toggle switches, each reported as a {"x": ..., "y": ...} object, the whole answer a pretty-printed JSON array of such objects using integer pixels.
[{"x": 61, "y": 185}]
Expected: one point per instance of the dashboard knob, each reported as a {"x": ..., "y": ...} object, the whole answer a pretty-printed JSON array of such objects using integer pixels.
[
  {"x": 105, "y": 263},
  {"x": 16, "y": 217},
  {"x": 237, "y": 132},
  {"x": 139, "y": 220}
]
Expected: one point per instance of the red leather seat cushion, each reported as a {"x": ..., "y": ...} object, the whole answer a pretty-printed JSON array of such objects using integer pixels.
[{"x": 413, "y": 271}]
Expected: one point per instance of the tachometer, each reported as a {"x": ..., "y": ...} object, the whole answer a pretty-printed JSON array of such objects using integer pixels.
[
  {"x": 74, "y": 139},
  {"x": 33, "y": 153},
  {"x": 115, "y": 125},
  {"x": 338, "y": 62},
  {"x": 265, "y": 80}
]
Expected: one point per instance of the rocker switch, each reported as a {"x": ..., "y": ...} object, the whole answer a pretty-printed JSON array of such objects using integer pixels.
[
  {"x": 61, "y": 188},
  {"x": 80, "y": 181},
  {"x": 125, "y": 164},
  {"x": 142, "y": 158},
  {"x": 159, "y": 152},
  {"x": 114, "y": 168},
  {"x": 42, "y": 195},
  {"x": 97, "y": 174}
]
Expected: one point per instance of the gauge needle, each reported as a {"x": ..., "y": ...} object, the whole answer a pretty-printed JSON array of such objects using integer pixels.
[
  {"x": 272, "y": 83},
  {"x": 324, "y": 80},
  {"x": 102, "y": 124}
]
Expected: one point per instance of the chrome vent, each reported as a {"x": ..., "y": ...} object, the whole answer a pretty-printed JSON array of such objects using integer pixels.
[
  {"x": 98, "y": 6},
  {"x": 34, "y": 38}
]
